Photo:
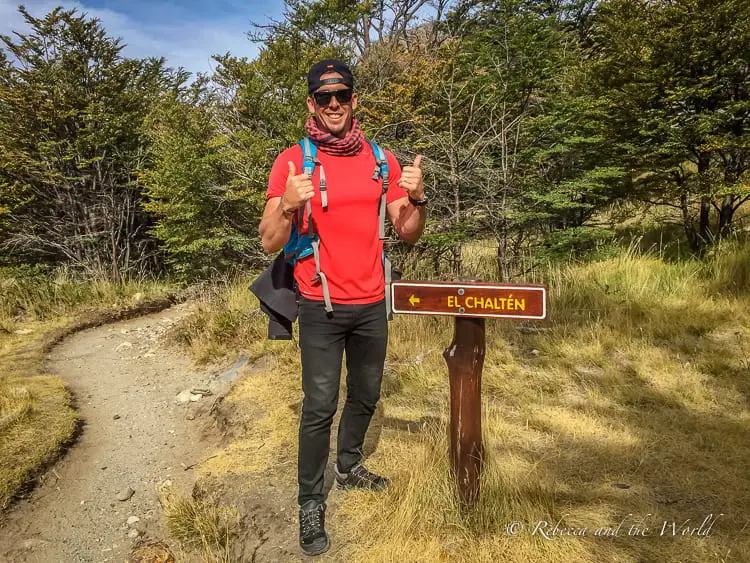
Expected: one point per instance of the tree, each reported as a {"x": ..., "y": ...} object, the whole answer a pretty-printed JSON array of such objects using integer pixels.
[
  {"x": 355, "y": 26},
  {"x": 205, "y": 181},
  {"x": 675, "y": 76},
  {"x": 513, "y": 140},
  {"x": 71, "y": 145},
  {"x": 212, "y": 148}
]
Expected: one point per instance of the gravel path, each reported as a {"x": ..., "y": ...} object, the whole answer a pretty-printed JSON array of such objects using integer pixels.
[{"x": 136, "y": 435}]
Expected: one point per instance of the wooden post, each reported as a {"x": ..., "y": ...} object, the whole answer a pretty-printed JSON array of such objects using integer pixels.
[
  {"x": 470, "y": 302},
  {"x": 465, "y": 359}
]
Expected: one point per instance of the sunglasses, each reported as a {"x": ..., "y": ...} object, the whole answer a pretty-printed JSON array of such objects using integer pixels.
[{"x": 324, "y": 98}]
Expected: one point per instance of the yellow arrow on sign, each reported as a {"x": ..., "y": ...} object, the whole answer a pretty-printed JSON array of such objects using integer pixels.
[{"x": 414, "y": 300}]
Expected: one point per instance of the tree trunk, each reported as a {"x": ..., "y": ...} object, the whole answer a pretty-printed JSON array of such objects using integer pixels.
[
  {"x": 115, "y": 266},
  {"x": 704, "y": 223},
  {"x": 436, "y": 262},
  {"x": 726, "y": 215},
  {"x": 501, "y": 261},
  {"x": 704, "y": 218},
  {"x": 503, "y": 268},
  {"x": 457, "y": 266},
  {"x": 687, "y": 223},
  {"x": 457, "y": 260}
]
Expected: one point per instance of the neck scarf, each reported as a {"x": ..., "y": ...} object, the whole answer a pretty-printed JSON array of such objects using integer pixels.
[{"x": 330, "y": 144}]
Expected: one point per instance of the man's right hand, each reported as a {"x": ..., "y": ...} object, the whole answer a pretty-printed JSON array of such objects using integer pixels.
[{"x": 299, "y": 190}]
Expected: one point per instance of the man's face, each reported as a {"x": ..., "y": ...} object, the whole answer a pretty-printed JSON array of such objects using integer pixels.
[{"x": 334, "y": 116}]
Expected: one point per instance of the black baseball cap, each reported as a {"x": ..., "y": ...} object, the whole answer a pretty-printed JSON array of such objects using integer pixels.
[{"x": 324, "y": 67}]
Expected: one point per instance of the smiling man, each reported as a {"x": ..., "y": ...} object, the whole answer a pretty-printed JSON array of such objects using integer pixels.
[{"x": 343, "y": 187}]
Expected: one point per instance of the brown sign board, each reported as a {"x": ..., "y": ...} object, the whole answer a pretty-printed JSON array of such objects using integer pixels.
[{"x": 470, "y": 299}]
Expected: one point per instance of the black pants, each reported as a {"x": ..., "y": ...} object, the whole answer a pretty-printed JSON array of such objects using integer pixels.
[{"x": 361, "y": 331}]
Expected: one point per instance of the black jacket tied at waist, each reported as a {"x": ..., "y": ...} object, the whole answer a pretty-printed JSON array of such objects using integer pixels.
[{"x": 275, "y": 290}]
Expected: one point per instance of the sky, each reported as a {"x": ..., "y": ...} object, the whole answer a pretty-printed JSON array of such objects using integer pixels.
[{"x": 185, "y": 32}]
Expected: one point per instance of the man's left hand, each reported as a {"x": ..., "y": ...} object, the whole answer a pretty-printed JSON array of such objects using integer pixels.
[{"x": 411, "y": 179}]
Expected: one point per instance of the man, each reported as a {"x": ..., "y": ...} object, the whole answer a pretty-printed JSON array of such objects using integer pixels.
[{"x": 344, "y": 309}]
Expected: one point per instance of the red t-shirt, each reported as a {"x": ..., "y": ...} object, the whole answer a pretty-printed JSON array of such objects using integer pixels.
[{"x": 350, "y": 247}]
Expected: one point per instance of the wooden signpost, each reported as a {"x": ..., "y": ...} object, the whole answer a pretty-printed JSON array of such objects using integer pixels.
[{"x": 470, "y": 302}]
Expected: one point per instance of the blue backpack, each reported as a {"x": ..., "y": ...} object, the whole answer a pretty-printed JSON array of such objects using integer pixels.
[{"x": 302, "y": 244}]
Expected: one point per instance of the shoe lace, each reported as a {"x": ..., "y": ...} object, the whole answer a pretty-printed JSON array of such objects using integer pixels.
[
  {"x": 361, "y": 472},
  {"x": 311, "y": 521}
]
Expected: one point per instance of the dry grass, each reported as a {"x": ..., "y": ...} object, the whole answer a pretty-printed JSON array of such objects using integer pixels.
[
  {"x": 264, "y": 422},
  {"x": 227, "y": 318},
  {"x": 15, "y": 405},
  {"x": 200, "y": 524},
  {"x": 633, "y": 411},
  {"x": 36, "y": 415}
]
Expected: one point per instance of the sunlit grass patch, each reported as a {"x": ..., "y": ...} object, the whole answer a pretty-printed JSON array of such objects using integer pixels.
[
  {"x": 30, "y": 295},
  {"x": 728, "y": 269},
  {"x": 575, "y": 426},
  {"x": 36, "y": 417},
  {"x": 264, "y": 415},
  {"x": 630, "y": 403},
  {"x": 15, "y": 404},
  {"x": 420, "y": 514},
  {"x": 39, "y": 421},
  {"x": 227, "y": 318}
]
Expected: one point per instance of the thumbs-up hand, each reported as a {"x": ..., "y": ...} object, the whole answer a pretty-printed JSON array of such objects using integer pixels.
[
  {"x": 299, "y": 190},
  {"x": 411, "y": 179}
]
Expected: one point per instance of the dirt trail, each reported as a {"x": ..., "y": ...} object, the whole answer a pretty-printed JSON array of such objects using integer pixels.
[{"x": 135, "y": 436}]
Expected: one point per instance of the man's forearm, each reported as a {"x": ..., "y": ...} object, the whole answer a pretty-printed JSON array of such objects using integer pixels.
[
  {"x": 275, "y": 228},
  {"x": 411, "y": 222}
]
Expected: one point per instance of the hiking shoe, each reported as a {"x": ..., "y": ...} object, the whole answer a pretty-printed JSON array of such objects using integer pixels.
[
  {"x": 312, "y": 528},
  {"x": 359, "y": 478}
]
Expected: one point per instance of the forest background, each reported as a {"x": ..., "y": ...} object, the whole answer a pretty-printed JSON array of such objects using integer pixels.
[
  {"x": 534, "y": 118},
  {"x": 600, "y": 147}
]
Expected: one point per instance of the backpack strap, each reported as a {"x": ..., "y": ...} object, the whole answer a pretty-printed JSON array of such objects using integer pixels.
[
  {"x": 388, "y": 274},
  {"x": 381, "y": 170},
  {"x": 309, "y": 160},
  {"x": 310, "y": 155},
  {"x": 309, "y": 152}
]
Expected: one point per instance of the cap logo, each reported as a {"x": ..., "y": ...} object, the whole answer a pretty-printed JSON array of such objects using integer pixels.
[{"x": 326, "y": 67}]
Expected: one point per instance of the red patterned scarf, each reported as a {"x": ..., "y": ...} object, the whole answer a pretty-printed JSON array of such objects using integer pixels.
[{"x": 330, "y": 144}]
